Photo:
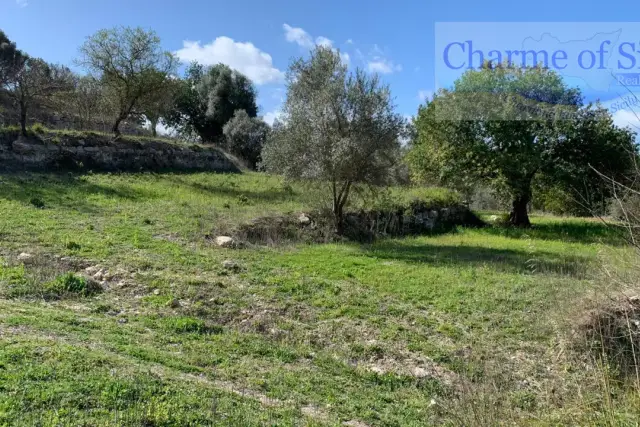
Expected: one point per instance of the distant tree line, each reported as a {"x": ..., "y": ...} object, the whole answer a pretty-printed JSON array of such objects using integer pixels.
[
  {"x": 131, "y": 83},
  {"x": 520, "y": 131}
]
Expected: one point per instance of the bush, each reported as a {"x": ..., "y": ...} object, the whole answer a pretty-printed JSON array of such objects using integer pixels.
[
  {"x": 38, "y": 129},
  {"x": 70, "y": 283},
  {"x": 245, "y": 137},
  {"x": 37, "y": 202},
  {"x": 612, "y": 333}
]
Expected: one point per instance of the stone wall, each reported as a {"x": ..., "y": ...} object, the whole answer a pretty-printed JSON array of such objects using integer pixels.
[
  {"x": 364, "y": 226},
  {"x": 100, "y": 153},
  {"x": 417, "y": 218}
]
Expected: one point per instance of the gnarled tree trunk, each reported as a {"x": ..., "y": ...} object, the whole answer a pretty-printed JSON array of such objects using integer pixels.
[{"x": 519, "y": 217}]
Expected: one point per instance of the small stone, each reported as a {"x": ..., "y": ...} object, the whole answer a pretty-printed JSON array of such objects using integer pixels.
[
  {"x": 420, "y": 372},
  {"x": 122, "y": 320},
  {"x": 377, "y": 369},
  {"x": 24, "y": 256},
  {"x": 91, "y": 270},
  {"x": 225, "y": 241},
  {"x": 303, "y": 219}
]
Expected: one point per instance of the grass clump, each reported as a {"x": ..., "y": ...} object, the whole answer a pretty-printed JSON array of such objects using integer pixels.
[
  {"x": 188, "y": 325},
  {"x": 70, "y": 284}
]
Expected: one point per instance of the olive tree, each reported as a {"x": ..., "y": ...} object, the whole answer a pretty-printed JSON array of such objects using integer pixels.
[
  {"x": 11, "y": 59},
  {"x": 499, "y": 124},
  {"x": 509, "y": 127},
  {"x": 131, "y": 64},
  {"x": 245, "y": 136},
  {"x": 37, "y": 83},
  {"x": 208, "y": 99},
  {"x": 338, "y": 129}
]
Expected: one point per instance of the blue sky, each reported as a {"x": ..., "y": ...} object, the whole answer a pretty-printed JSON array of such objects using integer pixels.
[{"x": 259, "y": 37}]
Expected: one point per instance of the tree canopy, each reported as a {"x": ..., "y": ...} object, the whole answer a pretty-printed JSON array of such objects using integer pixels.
[
  {"x": 338, "y": 129},
  {"x": 208, "y": 99},
  {"x": 245, "y": 136},
  {"x": 131, "y": 63},
  {"x": 505, "y": 126},
  {"x": 11, "y": 59}
]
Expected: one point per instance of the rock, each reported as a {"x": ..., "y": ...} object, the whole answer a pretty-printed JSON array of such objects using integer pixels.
[
  {"x": 92, "y": 270},
  {"x": 377, "y": 369},
  {"x": 225, "y": 241},
  {"x": 303, "y": 219},
  {"x": 122, "y": 320},
  {"x": 420, "y": 372},
  {"x": 24, "y": 256},
  {"x": 156, "y": 291},
  {"x": 494, "y": 218}
]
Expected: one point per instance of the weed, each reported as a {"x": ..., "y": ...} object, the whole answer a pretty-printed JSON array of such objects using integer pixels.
[{"x": 70, "y": 284}]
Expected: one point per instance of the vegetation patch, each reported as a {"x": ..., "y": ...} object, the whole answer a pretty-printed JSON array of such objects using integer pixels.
[
  {"x": 611, "y": 333},
  {"x": 70, "y": 284},
  {"x": 186, "y": 325}
]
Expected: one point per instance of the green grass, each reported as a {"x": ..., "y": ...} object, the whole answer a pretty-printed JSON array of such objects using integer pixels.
[{"x": 298, "y": 335}]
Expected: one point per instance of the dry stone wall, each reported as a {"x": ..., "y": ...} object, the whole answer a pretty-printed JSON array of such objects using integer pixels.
[{"x": 97, "y": 152}]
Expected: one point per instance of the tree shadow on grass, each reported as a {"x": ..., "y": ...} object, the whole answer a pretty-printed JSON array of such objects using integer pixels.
[
  {"x": 502, "y": 260},
  {"x": 66, "y": 190},
  {"x": 572, "y": 231},
  {"x": 270, "y": 195}
]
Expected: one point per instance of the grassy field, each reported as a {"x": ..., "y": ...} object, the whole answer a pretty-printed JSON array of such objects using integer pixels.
[{"x": 395, "y": 333}]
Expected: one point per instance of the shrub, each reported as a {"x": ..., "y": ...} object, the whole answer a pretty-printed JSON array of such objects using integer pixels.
[
  {"x": 245, "y": 136},
  {"x": 38, "y": 128},
  {"x": 73, "y": 246},
  {"x": 72, "y": 284},
  {"x": 37, "y": 202}
]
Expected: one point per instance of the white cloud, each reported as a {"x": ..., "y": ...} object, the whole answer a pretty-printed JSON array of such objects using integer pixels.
[
  {"x": 625, "y": 118},
  {"x": 424, "y": 94},
  {"x": 323, "y": 41},
  {"x": 383, "y": 66},
  {"x": 244, "y": 57},
  {"x": 22, "y": 3},
  {"x": 271, "y": 116},
  {"x": 349, "y": 41},
  {"x": 297, "y": 35},
  {"x": 302, "y": 38}
]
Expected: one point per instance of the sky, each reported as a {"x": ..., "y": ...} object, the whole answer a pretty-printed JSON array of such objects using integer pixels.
[{"x": 396, "y": 39}]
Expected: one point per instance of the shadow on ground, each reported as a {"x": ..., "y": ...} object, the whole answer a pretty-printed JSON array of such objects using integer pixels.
[
  {"x": 579, "y": 231},
  {"x": 67, "y": 190},
  {"x": 504, "y": 260}
]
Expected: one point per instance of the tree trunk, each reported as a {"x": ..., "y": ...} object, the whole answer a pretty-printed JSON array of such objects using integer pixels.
[
  {"x": 519, "y": 216},
  {"x": 339, "y": 200},
  {"x": 338, "y": 218},
  {"x": 23, "y": 120},
  {"x": 116, "y": 127},
  {"x": 154, "y": 125}
]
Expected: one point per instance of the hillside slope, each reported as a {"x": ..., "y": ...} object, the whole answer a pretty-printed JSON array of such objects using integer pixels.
[{"x": 389, "y": 333}]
